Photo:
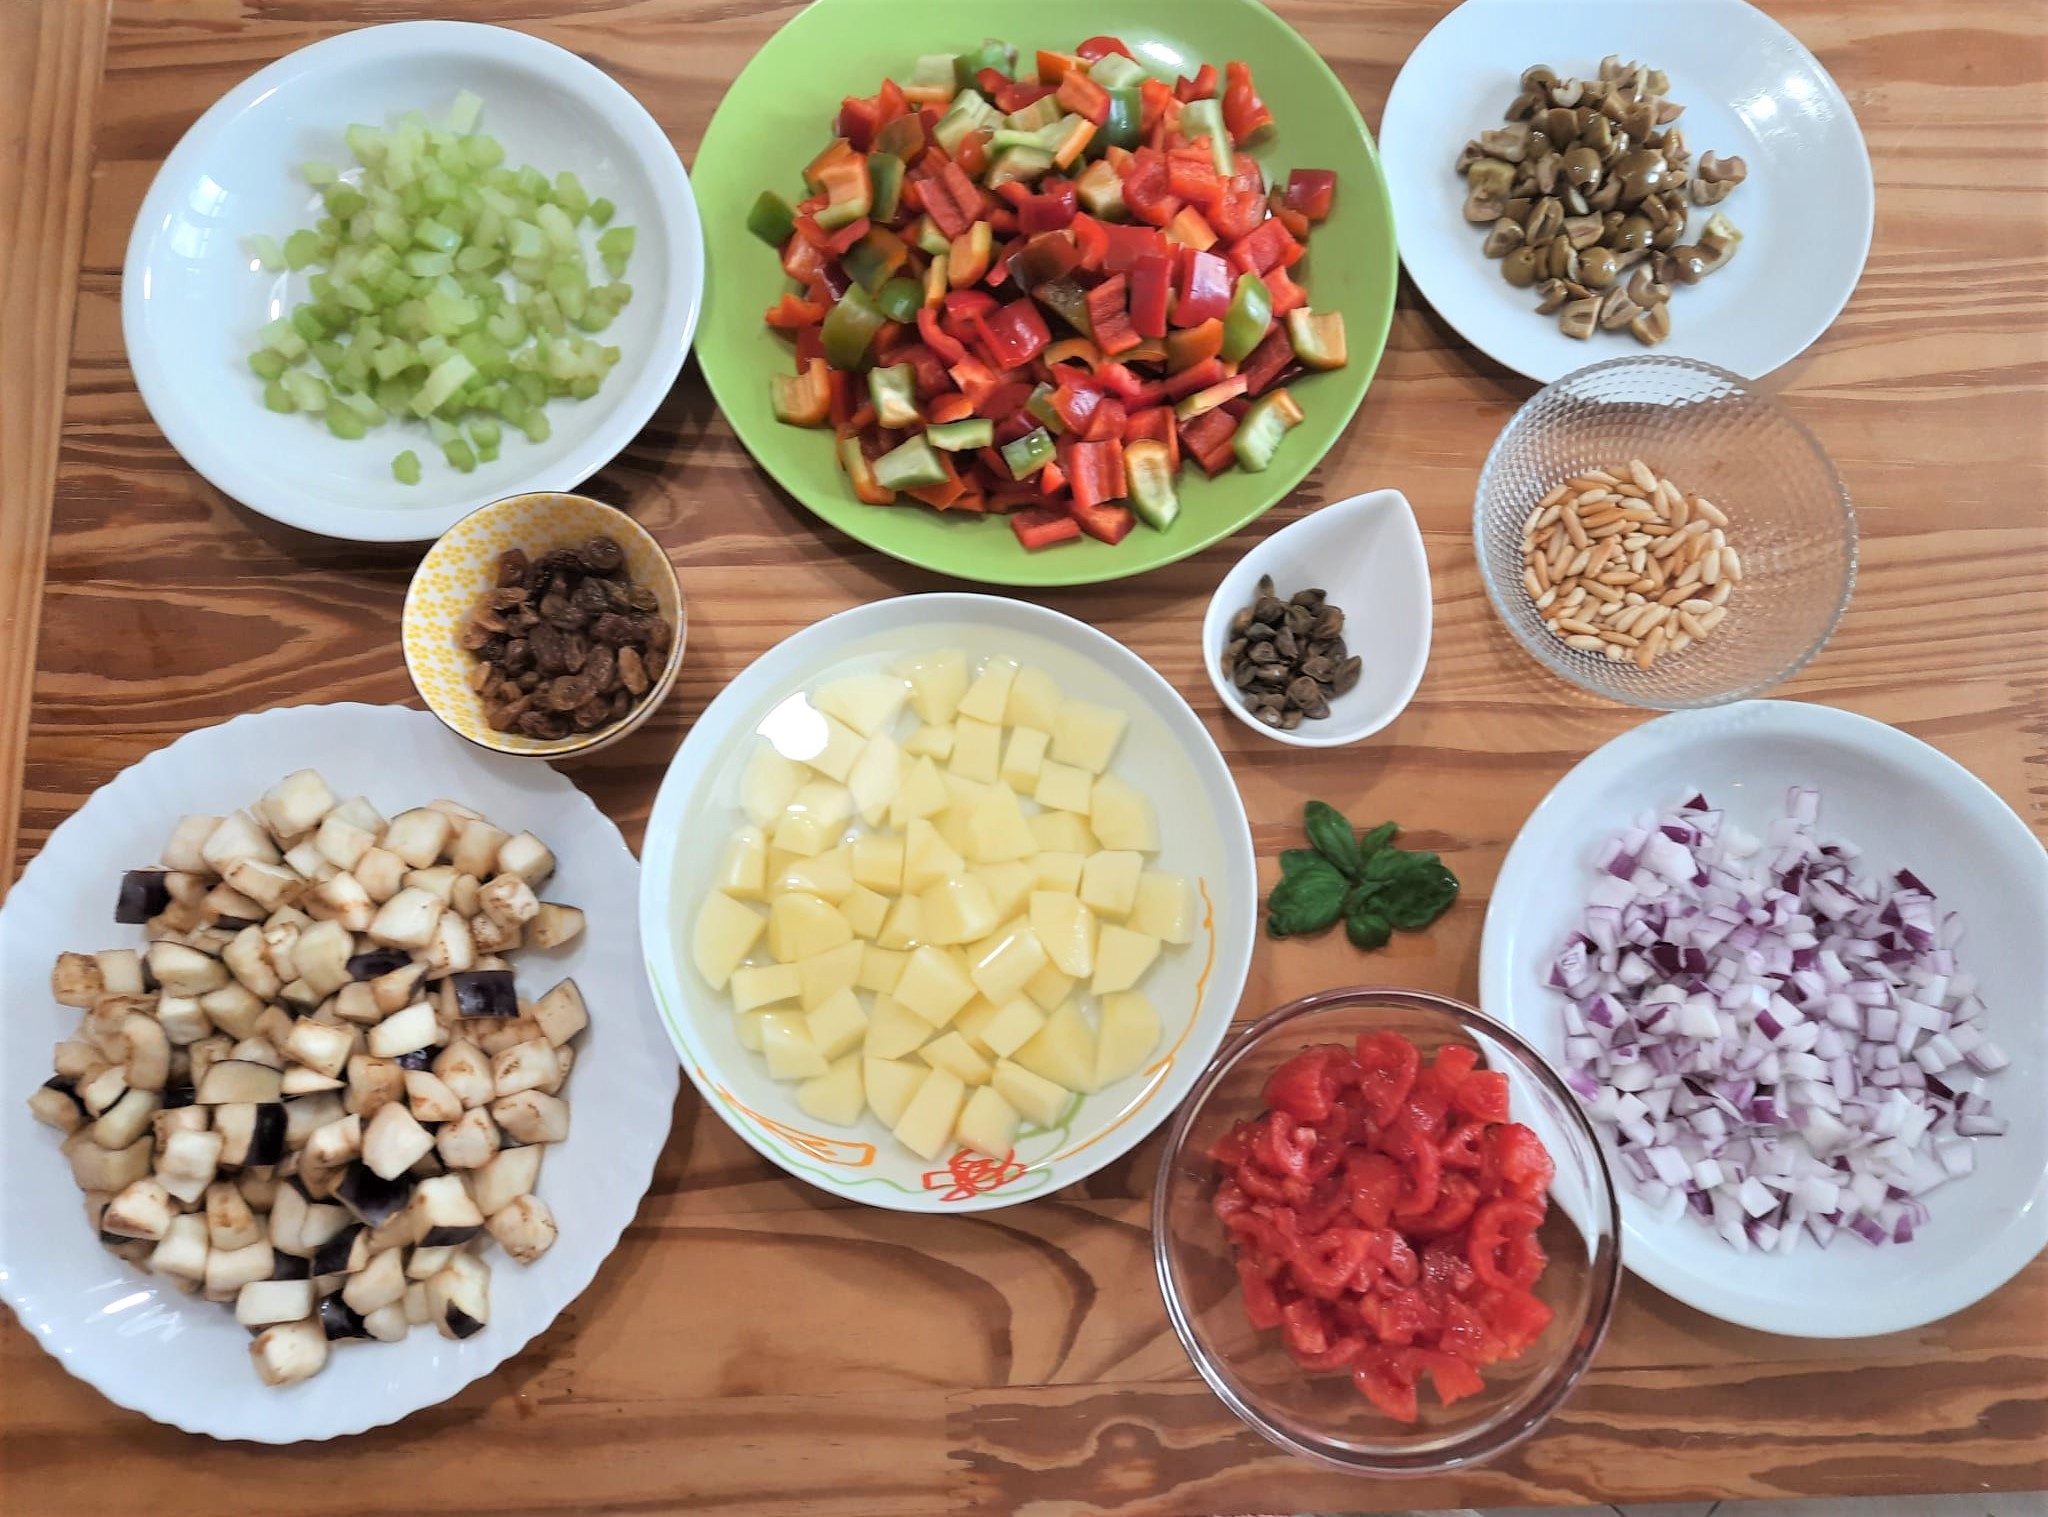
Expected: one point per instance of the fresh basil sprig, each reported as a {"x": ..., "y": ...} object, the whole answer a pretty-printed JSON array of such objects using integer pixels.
[{"x": 1368, "y": 883}]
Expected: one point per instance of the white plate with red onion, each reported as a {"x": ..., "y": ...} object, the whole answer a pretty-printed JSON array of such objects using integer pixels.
[{"x": 1796, "y": 964}]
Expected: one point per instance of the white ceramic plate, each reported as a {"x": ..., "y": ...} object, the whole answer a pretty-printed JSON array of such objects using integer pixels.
[
  {"x": 185, "y": 1361},
  {"x": 1749, "y": 89},
  {"x": 1367, "y": 553},
  {"x": 1166, "y": 752},
  {"x": 1906, "y": 805},
  {"x": 193, "y": 302}
]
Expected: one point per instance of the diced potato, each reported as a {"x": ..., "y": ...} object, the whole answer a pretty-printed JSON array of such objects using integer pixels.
[
  {"x": 950, "y": 1051},
  {"x": 1128, "y": 1035},
  {"x": 787, "y": 1043},
  {"x": 1063, "y": 1050},
  {"x": 1062, "y": 832},
  {"x": 769, "y": 785},
  {"x": 865, "y": 911},
  {"x": 937, "y": 681},
  {"x": 922, "y": 794},
  {"x": 834, "y": 757},
  {"x": 1050, "y": 986},
  {"x": 1109, "y": 882},
  {"x": 1009, "y": 886},
  {"x": 904, "y": 927},
  {"x": 977, "y": 750},
  {"x": 816, "y": 819},
  {"x": 1034, "y": 701},
  {"x": 1165, "y": 908},
  {"x": 889, "y": 1084},
  {"x": 957, "y": 910},
  {"x": 1067, "y": 929},
  {"x": 865, "y": 702},
  {"x": 974, "y": 1020},
  {"x": 725, "y": 934},
  {"x": 997, "y": 832},
  {"x": 824, "y": 975},
  {"x": 988, "y": 1124},
  {"x": 1121, "y": 959},
  {"x": 748, "y": 1028},
  {"x": 989, "y": 696},
  {"x": 836, "y": 1096},
  {"x": 875, "y": 778},
  {"x": 1122, "y": 816},
  {"x": 1008, "y": 961},
  {"x": 764, "y": 985},
  {"x": 828, "y": 876},
  {"x": 837, "y": 1024},
  {"x": 800, "y": 925},
  {"x": 933, "y": 986},
  {"x": 1037, "y": 1099},
  {"x": 743, "y": 866},
  {"x": 894, "y": 1030},
  {"x": 878, "y": 863},
  {"x": 1062, "y": 787},
  {"x": 1085, "y": 735},
  {"x": 1015, "y": 1023},
  {"x": 1058, "y": 871},
  {"x": 930, "y": 742},
  {"x": 1023, "y": 756},
  {"x": 880, "y": 968},
  {"x": 927, "y": 859},
  {"x": 927, "y": 1122}
]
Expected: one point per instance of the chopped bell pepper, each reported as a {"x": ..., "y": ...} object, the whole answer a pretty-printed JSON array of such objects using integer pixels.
[
  {"x": 1015, "y": 334},
  {"x": 849, "y": 189},
  {"x": 1096, "y": 471},
  {"x": 1065, "y": 298},
  {"x": 1108, "y": 321},
  {"x": 911, "y": 465},
  {"x": 1042, "y": 526},
  {"x": 885, "y": 174},
  {"x": 802, "y": 400},
  {"x": 1040, "y": 405},
  {"x": 1208, "y": 439},
  {"x": 1210, "y": 398},
  {"x": 1023, "y": 164},
  {"x": 928, "y": 238},
  {"x": 992, "y": 54},
  {"x": 866, "y": 488},
  {"x": 1250, "y": 313},
  {"x": 1261, "y": 428},
  {"x": 1244, "y": 113},
  {"x": 931, "y": 82},
  {"x": 1051, "y": 210},
  {"x": 962, "y": 436},
  {"x": 941, "y": 342},
  {"x": 1149, "y": 469},
  {"x": 1204, "y": 118},
  {"x": 1185, "y": 349},
  {"x": 967, "y": 260},
  {"x": 1084, "y": 97},
  {"x": 849, "y": 327},
  {"x": 1117, "y": 71},
  {"x": 1070, "y": 139},
  {"x": 1265, "y": 247},
  {"x": 771, "y": 219},
  {"x": 1190, "y": 229},
  {"x": 1267, "y": 361},
  {"x": 1201, "y": 87},
  {"x": 1151, "y": 287},
  {"x": 1125, "y": 124},
  {"x": 894, "y": 393},
  {"x": 899, "y": 298},
  {"x": 1101, "y": 189},
  {"x": 1204, "y": 289},
  {"x": 1311, "y": 192},
  {"x": 875, "y": 259},
  {"x": 1318, "y": 338},
  {"x": 1106, "y": 523},
  {"x": 791, "y": 313},
  {"x": 902, "y": 139},
  {"x": 1029, "y": 453}
]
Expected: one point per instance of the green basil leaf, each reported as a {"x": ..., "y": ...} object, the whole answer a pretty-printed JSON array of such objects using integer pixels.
[
  {"x": 1360, "y": 894},
  {"x": 1331, "y": 833},
  {"x": 1390, "y": 864},
  {"x": 1418, "y": 898},
  {"x": 1308, "y": 900},
  {"x": 1367, "y": 929},
  {"x": 1377, "y": 839},
  {"x": 1294, "y": 860}
]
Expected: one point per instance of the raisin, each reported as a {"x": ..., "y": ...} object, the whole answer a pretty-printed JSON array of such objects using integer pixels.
[
  {"x": 569, "y": 692},
  {"x": 591, "y": 596},
  {"x": 632, "y": 672},
  {"x": 644, "y": 599},
  {"x": 613, "y": 629},
  {"x": 592, "y": 714},
  {"x": 512, "y": 568},
  {"x": 518, "y": 656},
  {"x": 550, "y": 648},
  {"x": 601, "y": 667},
  {"x": 602, "y": 555},
  {"x": 545, "y": 725}
]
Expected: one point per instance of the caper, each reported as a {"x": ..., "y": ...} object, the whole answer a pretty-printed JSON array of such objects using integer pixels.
[
  {"x": 1502, "y": 238},
  {"x": 1583, "y": 231},
  {"x": 1652, "y": 326},
  {"x": 1508, "y": 142},
  {"x": 1597, "y": 267},
  {"x": 1520, "y": 268},
  {"x": 1545, "y": 222},
  {"x": 1579, "y": 318},
  {"x": 1582, "y": 168},
  {"x": 1493, "y": 175},
  {"x": 1559, "y": 125},
  {"x": 1641, "y": 173},
  {"x": 1597, "y": 134},
  {"x": 1634, "y": 233},
  {"x": 1538, "y": 76},
  {"x": 1687, "y": 264}
]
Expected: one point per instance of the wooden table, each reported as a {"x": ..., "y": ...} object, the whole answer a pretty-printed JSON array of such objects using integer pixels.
[{"x": 755, "y": 1347}]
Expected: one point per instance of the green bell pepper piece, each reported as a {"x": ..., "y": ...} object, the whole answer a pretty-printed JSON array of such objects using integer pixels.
[
  {"x": 849, "y": 327},
  {"x": 911, "y": 465},
  {"x": 1148, "y": 471},
  {"x": 1010, "y": 137},
  {"x": 1318, "y": 339},
  {"x": 1259, "y": 431},
  {"x": 961, "y": 436},
  {"x": 932, "y": 71},
  {"x": 1204, "y": 118},
  {"x": 1245, "y": 323},
  {"x": 872, "y": 261},
  {"x": 999, "y": 56},
  {"x": 929, "y": 238},
  {"x": 899, "y": 299},
  {"x": 1039, "y": 404},
  {"x": 1021, "y": 164},
  {"x": 1102, "y": 191},
  {"x": 968, "y": 113},
  {"x": 1036, "y": 116},
  {"x": 894, "y": 392},
  {"x": 885, "y": 172},
  {"x": 1125, "y": 127},
  {"x": 1031, "y": 452},
  {"x": 1068, "y": 301},
  {"x": 1113, "y": 71}
]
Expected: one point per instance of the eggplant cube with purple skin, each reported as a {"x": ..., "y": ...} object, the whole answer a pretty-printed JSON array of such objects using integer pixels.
[
  {"x": 408, "y": 919},
  {"x": 459, "y": 1297}
]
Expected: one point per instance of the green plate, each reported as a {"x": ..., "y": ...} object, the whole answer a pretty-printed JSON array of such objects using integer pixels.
[{"x": 777, "y": 117}]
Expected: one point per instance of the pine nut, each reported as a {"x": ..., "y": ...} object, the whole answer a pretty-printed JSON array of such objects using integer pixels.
[
  {"x": 1531, "y": 584},
  {"x": 1710, "y": 511},
  {"x": 1586, "y": 641},
  {"x": 1640, "y": 473},
  {"x": 1575, "y": 528}
]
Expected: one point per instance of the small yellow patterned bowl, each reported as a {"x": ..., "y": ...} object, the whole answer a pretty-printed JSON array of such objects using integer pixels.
[{"x": 462, "y": 565}]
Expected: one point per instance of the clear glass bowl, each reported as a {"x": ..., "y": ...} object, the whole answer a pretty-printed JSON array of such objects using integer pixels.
[
  {"x": 1323, "y": 1416},
  {"x": 1712, "y": 434}
]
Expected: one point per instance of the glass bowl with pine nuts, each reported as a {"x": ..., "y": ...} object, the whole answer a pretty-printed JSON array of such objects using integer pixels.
[{"x": 1660, "y": 532}]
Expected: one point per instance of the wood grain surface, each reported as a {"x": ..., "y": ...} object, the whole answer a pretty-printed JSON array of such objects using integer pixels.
[{"x": 755, "y": 1347}]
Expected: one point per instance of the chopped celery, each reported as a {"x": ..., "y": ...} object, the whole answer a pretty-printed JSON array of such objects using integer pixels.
[
  {"x": 265, "y": 251},
  {"x": 406, "y": 468},
  {"x": 463, "y": 113},
  {"x": 278, "y": 398},
  {"x": 602, "y": 211},
  {"x": 615, "y": 246},
  {"x": 460, "y": 454},
  {"x": 318, "y": 174},
  {"x": 344, "y": 423},
  {"x": 267, "y": 363}
]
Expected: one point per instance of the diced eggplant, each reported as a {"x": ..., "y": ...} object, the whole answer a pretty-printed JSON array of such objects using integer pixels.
[
  {"x": 183, "y": 1020},
  {"x": 248, "y": 959},
  {"x": 258, "y": 1184},
  {"x": 335, "y": 1143},
  {"x": 297, "y": 999},
  {"x": 427, "y": 1166},
  {"x": 280, "y": 940},
  {"x": 476, "y": 848},
  {"x": 345, "y": 1253},
  {"x": 455, "y": 811},
  {"x": 485, "y": 993},
  {"x": 318, "y": 1045},
  {"x": 341, "y": 842},
  {"x": 183, "y": 1249},
  {"x": 229, "y": 1222},
  {"x": 127, "y": 1120},
  {"x": 182, "y": 851},
  {"x": 102, "y": 1087},
  {"x": 462, "y": 899},
  {"x": 524, "y": 1228},
  {"x": 172, "y": 1120},
  {"x": 373, "y": 962},
  {"x": 526, "y": 856},
  {"x": 290, "y": 1266},
  {"x": 378, "y": 1283},
  {"x": 452, "y": 949},
  {"x": 554, "y": 924},
  {"x": 262, "y": 1302},
  {"x": 321, "y": 957},
  {"x": 268, "y": 885},
  {"x": 324, "y": 1221},
  {"x": 493, "y": 938},
  {"x": 301, "y": 1081},
  {"x": 372, "y": 1084},
  {"x": 387, "y": 1324},
  {"x": 258, "y": 1049},
  {"x": 142, "y": 1210},
  {"x": 310, "y": 864},
  {"x": 146, "y": 1052},
  {"x": 203, "y": 1055},
  {"x": 183, "y": 971},
  {"x": 408, "y": 919},
  {"x": 524, "y": 1066},
  {"x": 428, "y": 1260},
  {"x": 450, "y": 1216},
  {"x": 120, "y": 971},
  {"x": 76, "y": 1058},
  {"x": 110, "y": 1170},
  {"x": 287, "y": 1216},
  {"x": 56, "y": 1104},
  {"x": 143, "y": 894},
  {"x": 469, "y": 1142},
  {"x": 75, "y": 980},
  {"x": 358, "y": 812},
  {"x": 357, "y": 1002},
  {"x": 372, "y": 1197},
  {"x": 296, "y": 803},
  {"x": 419, "y": 1058},
  {"x": 438, "y": 881},
  {"x": 305, "y": 1114},
  {"x": 191, "y": 1157},
  {"x": 337, "y": 1320},
  {"x": 462, "y": 1067},
  {"x": 404, "y": 1031},
  {"x": 319, "y": 1180},
  {"x": 458, "y": 1298},
  {"x": 238, "y": 836},
  {"x": 176, "y": 1096},
  {"x": 381, "y": 873},
  {"x": 431, "y": 1100},
  {"x": 252, "y": 1132},
  {"x": 532, "y": 1116},
  {"x": 393, "y": 1142},
  {"x": 509, "y": 900},
  {"x": 225, "y": 907},
  {"x": 289, "y": 1352},
  {"x": 241, "y": 1082},
  {"x": 399, "y": 988},
  {"x": 419, "y": 836}
]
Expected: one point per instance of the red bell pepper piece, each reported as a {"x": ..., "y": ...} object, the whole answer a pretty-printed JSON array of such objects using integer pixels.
[
  {"x": 1311, "y": 192},
  {"x": 1106, "y": 523},
  {"x": 1197, "y": 376},
  {"x": 1157, "y": 423},
  {"x": 1146, "y": 191},
  {"x": 890, "y": 104},
  {"x": 1157, "y": 104},
  {"x": 1053, "y": 208},
  {"x": 1284, "y": 292},
  {"x": 1084, "y": 97},
  {"x": 1013, "y": 97},
  {"x": 952, "y": 200},
  {"x": 972, "y": 155},
  {"x": 1091, "y": 241},
  {"x": 1191, "y": 174},
  {"x": 1235, "y": 213},
  {"x": 1003, "y": 400},
  {"x": 1208, "y": 438},
  {"x": 989, "y": 81},
  {"x": 834, "y": 243},
  {"x": 1119, "y": 380},
  {"x": 839, "y": 387},
  {"x": 810, "y": 343},
  {"x": 975, "y": 379},
  {"x": 1205, "y": 286},
  {"x": 1053, "y": 67},
  {"x": 1265, "y": 246},
  {"x": 949, "y": 348},
  {"x": 1201, "y": 87},
  {"x": 1244, "y": 113},
  {"x": 952, "y": 406},
  {"x": 1151, "y": 284},
  {"x": 1263, "y": 364},
  {"x": 1107, "y": 424},
  {"x": 1018, "y": 423},
  {"x": 931, "y": 377},
  {"x": 1042, "y": 526},
  {"x": 1297, "y": 224},
  {"x": 1075, "y": 402},
  {"x": 791, "y": 313},
  {"x": 1097, "y": 472},
  {"x": 1101, "y": 47},
  {"x": 857, "y": 122},
  {"x": 1108, "y": 319},
  {"x": 1127, "y": 244}
]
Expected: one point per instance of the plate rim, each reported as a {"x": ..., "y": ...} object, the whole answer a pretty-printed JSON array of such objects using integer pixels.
[{"x": 1812, "y": 722}]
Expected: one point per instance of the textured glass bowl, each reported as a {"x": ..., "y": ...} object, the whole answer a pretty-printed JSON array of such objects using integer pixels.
[
  {"x": 1323, "y": 1416},
  {"x": 1712, "y": 434}
]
